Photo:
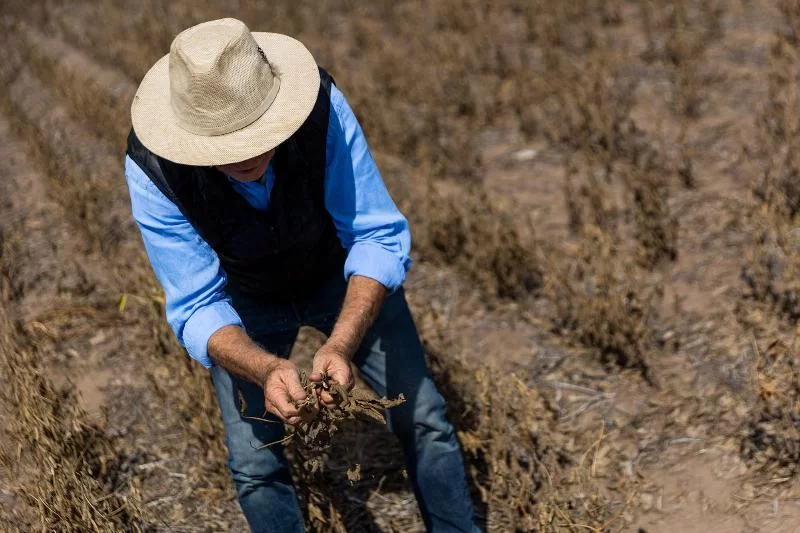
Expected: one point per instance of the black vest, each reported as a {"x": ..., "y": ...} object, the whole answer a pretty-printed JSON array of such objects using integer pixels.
[{"x": 283, "y": 254}]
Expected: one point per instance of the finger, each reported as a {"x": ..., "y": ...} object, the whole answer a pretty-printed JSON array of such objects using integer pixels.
[
  {"x": 342, "y": 377},
  {"x": 319, "y": 369},
  {"x": 295, "y": 389},
  {"x": 273, "y": 410},
  {"x": 293, "y": 421},
  {"x": 286, "y": 408},
  {"x": 346, "y": 381},
  {"x": 327, "y": 398}
]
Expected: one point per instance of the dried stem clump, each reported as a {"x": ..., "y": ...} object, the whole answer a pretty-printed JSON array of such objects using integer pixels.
[
  {"x": 311, "y": 437},
  {"x": 482, "y": 241},
  {"x": 517, "y": 462},
  {"x": 604, "y": 308},
  {"x": 656, "y": 230},
  {"x": 771, "y": 439},
  {"x": 312, "y": 448},
  {"x": 772, "y": 270},
  {"x": 774, "y": 258},
  {"x": 78, "y": 482}
]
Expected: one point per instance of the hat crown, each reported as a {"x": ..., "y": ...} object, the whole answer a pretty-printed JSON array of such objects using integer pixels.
[{"x": 220, "y": 79}]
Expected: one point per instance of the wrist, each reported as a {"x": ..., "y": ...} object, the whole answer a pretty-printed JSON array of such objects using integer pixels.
[
  {"x": 340, "y": 348},
  {"x": 232, "y": 349},
  {"x": 267, "y": 363}
]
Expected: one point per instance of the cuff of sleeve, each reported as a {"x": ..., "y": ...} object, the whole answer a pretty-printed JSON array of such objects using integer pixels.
[
  {"x": 202, "y": 324},
  {"x": 375, "y": 262}
]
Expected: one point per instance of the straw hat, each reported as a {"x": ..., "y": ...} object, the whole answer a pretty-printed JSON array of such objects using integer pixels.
[{"x": 223, "y": 94}]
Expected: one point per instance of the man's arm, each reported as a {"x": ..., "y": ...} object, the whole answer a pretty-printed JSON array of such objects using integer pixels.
[
  {"x": 198, "y": 309},
  {"x": 186, "y": 267},
  {"x": 362, "y": 303},
  {"x": 361, "y": 306},
  {"x": 372, "y": 230},
  {"x": 232, "y": 349}
]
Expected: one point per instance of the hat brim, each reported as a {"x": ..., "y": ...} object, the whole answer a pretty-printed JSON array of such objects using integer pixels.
[{"x": 155, "y": 125}]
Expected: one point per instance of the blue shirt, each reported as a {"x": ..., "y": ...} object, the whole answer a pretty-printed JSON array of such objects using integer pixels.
[{"x": 369, "y": 225}]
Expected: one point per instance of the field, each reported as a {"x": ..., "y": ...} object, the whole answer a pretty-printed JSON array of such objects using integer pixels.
[{"x": 604, "y": 198}]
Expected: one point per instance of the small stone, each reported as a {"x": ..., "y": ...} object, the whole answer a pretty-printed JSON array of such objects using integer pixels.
[{"x": 526, "y": 154}]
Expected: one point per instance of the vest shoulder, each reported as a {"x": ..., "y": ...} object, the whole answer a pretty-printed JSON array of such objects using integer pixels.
[
  {"x": 152, "y": 165},
  {"x": 326, "y": 79}
]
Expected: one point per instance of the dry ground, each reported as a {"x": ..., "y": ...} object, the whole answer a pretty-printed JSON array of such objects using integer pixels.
[{"x": 604, "y": 198}]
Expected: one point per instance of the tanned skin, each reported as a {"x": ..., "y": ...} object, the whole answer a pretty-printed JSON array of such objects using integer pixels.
[{"x": 231, "y": 348}]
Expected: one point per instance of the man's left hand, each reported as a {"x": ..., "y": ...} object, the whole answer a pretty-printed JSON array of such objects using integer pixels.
[{"x": 333, "y": 363}]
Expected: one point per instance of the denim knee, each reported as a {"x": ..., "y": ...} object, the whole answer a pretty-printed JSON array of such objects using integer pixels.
[
  {"x": 264, "y": 489},
  {"x": 423, "y": 416}
]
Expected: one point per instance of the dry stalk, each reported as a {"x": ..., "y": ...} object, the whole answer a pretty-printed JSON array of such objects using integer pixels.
[
  {"x": 76, "y": 483},
  {"x": 318, "y": 424},
  {"x": 774, "y": 258},
  {"x": 517, "y": 463},
  {"x": 602, "y": 308},
  {"x": 771, "y": 437}
]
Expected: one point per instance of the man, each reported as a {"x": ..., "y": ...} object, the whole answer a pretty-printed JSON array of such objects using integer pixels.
[{"x": 255, "y": 191}]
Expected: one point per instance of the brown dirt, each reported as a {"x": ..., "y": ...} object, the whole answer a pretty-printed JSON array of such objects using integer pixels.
[{"x": 603, "y": 197}]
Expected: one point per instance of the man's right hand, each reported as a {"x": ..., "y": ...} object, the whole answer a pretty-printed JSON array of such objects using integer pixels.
[
  {"x": 231, "y": 348},
  {"x": 282, "y": 389}
]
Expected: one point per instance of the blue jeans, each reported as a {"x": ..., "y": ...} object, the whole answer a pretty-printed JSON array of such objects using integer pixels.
[{"x": 392, "y": 362}]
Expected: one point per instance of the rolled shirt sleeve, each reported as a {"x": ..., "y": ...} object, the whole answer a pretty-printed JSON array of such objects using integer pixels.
[
  {"x": 368, "y": 223},
  {"x": 187, "y": 268}
]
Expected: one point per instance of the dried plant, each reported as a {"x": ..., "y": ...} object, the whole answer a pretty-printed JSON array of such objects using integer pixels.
[
  {"x": 311, "y": 437},
  {"x": 604, "y": 307},
  {"x": 479, "y": 238},
  {"x": 517, "y": 463},
  {"x": 77, "y": 482},
  {"x": 774, "y": 258},
  {"x": 771, "y": 434},
  {"x": 656, "y": 229}
]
